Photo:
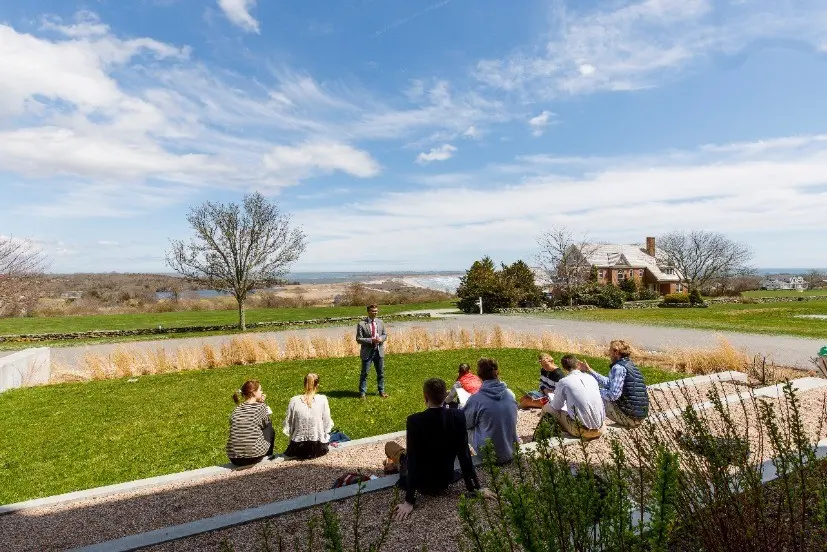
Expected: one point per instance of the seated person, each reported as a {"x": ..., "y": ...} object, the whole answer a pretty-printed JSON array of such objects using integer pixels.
[
  {"x": 577, "y": 406},
  {"x": 624, "y": 391},
  {"x": 550, "y": 374},
  {"x": 251, "y": 432},
  {"x": 492, "y": 412},
  {"x": 436, "y": 437},
  {"x": 466, "y": 385},
  {"x": 308, "y": 422}
]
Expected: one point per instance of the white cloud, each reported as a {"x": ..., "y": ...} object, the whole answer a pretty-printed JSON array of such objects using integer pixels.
[
  {"x": 238, "y": 12},
  {"x": 642, "y": 43},
  {"x": 539, "y": 123},
  {"x": 295, "y": 163},
  {"x": 441, "y": 153},
  {"x": 472, "y": 132},
  {"x": 739, "y": 189}
]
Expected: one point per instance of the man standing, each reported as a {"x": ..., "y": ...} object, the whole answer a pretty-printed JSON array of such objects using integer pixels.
[
  {"x": 436, "y": 438},
  {"x": 370, "y": 333},
  {"x": 624, "y": 391},
  {"x": 577, "y": 406},
  {"x": 491, "y": 413}
]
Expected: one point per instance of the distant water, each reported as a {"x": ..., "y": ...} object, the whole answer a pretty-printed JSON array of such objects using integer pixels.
[{"x": 797, "y": 271}]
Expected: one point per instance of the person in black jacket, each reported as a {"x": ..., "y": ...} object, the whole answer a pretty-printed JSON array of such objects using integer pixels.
[{"x": 436, "y": 437}]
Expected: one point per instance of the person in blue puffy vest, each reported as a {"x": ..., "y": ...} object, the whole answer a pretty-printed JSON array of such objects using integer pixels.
[{"x": 624, "y": 390}]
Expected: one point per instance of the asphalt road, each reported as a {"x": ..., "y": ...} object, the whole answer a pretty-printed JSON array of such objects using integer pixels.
[{"x": 784, "y": 350}]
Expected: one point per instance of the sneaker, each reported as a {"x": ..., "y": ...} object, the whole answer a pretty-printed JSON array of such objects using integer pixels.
[
  {"x": 362, "y": 396},
  {"x": 384, "y": 395}
]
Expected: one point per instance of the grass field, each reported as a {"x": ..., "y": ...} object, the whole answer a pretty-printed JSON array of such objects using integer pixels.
[
  {"x": 78, "y": 436},
  {"x": 766, "y": 318},
  {"x": 784, "y": 293},
  {"x": 68, "y": 324}
]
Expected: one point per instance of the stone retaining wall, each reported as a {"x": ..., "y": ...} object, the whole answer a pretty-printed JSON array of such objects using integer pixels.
[
  {"x": 536, "y": 310},
  {"x": 28, "y": 338},
  {"x": 747, "y": 300}
]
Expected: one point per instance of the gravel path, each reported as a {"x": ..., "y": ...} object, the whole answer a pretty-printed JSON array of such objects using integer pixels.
[
  {"x": 785, "y": 350},
  {"x": 96, "y": 520}
]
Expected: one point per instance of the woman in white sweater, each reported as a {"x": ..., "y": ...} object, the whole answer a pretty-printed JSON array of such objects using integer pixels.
[{"x": 308, "y": 422}]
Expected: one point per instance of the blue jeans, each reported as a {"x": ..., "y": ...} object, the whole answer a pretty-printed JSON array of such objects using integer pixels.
[{"x": 379, "y": 363}]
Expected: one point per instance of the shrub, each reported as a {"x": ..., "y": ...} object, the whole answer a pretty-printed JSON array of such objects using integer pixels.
[
  {"x": 646, "y": 294},
  {"x": 606, "y": 296},
  {"x": 512, "y": 286},
  {"x": 695, "y": 297},
  {"x": 629, "y": 286},
  {"x": 676, "y": 298}
]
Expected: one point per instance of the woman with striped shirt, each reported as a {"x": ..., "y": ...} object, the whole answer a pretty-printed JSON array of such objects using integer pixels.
[
  {"x": 308, "y": 422},
  {"x": 251, "y": 431}
]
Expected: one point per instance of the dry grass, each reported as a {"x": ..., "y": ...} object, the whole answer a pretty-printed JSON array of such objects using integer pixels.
[{"x": 130, "y": 361}]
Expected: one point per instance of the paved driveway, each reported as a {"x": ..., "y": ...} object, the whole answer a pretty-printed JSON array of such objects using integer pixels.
[{"x": 789, "y": 351}]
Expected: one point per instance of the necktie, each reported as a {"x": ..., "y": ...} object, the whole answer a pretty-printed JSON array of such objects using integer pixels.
[{"x": 373, "y": 328}]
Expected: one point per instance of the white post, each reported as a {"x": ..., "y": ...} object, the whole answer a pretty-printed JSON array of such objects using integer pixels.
[{"x": 480, "y": 304}]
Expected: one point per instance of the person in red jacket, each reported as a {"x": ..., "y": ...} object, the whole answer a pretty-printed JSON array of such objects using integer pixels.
[{"x": 466, "y": 385}]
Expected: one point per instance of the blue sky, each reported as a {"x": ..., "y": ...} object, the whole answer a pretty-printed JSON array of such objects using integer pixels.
[{"x": 414, "y": 135}]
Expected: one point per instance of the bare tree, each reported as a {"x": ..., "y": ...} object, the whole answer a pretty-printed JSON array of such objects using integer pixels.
[
  {"x": 700, "y": 257},
  {"x": 235, "y": 251},
  {"x": 564, "y": 259},
  {"x": 815, "y": 279},
  {"x": 21, "y": 265}
]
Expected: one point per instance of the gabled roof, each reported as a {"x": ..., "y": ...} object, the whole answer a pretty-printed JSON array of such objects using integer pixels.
[{"x": 627, "y": 256}]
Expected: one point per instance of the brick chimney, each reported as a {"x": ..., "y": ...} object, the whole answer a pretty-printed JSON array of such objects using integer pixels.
[{"x": 650, "y": 246}]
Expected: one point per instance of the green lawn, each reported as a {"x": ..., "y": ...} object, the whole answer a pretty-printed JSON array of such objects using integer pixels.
[
  {"x": 63, "y": 438},
  {"x": 784, "y": 293},
  {"x": 766, "y": 318},
  {"x": 68, "y": 324}
]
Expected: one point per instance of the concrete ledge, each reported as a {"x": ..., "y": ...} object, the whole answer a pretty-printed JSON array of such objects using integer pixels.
[
  {"x": 151, "y": 538},
  {"x": 801, "y": 385},
  {"x": 720, "y": 377},
  {"x": 28, "y": 367}
]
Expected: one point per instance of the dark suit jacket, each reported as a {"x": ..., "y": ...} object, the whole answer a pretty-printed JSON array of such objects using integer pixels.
[
  {"x": 363, "y": 336},
  {"x": 436, "y": 437}
]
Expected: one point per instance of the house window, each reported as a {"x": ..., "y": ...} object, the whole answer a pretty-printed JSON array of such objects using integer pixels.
[
  {"x": 621, "y": 275},
  {"x": 601, "y": 274},
  {"x": 640, "y": 273},
  {"x": 679, "y": 287}
]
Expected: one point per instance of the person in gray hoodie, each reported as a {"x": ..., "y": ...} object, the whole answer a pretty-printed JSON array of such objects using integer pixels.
[{"x": 491, "y": 413}]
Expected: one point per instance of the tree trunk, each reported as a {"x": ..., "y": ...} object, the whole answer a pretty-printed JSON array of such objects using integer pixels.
[{"x": 242, "y": 322}]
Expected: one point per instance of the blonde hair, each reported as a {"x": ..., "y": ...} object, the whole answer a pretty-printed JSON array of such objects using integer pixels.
[
  {"x": 621, "y": 348},
  {"x": 311, "y": 385},
  {"x": 246, "y": 391},
  {"x": 545, "y": 356}
]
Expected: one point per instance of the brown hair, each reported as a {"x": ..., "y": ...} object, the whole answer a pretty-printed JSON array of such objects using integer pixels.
[
  {"x": 569, "y": 362},
  {"x": 311, "y": 385},
  {"x": 621, "y": 348},
  {"x": 488, "y": 369},
  {"x": 464, "y": 368},
  {"x": 372, "y": 306},
  {"x": 435, "y": 390},
  {"x": 247, "y": 390}
]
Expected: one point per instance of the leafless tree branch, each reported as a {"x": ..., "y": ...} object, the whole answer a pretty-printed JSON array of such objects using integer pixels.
[
  {"x": 700, "y": 256},
  {"x": 21, "y": 265},
  {"x": 564, "y": 258}
]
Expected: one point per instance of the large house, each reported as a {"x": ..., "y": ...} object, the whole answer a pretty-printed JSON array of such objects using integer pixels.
[
  {"x": 615, "y": 263},
  {"x": 792, "y": 283}
]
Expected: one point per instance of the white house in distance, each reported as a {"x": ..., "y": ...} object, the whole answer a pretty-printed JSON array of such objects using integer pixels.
[{"x": 782, "y": 282}]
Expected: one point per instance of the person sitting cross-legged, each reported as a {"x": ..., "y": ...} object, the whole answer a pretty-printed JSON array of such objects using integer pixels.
[
  {"x": 550, "y": 374},
  {"x": 467, "y": 384},
  {"x": 577, "y": 406},
  {"x": 436, "y": 437},
  {"x": 624, "y": 391},
  {"x": 492, "y": 413}
]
